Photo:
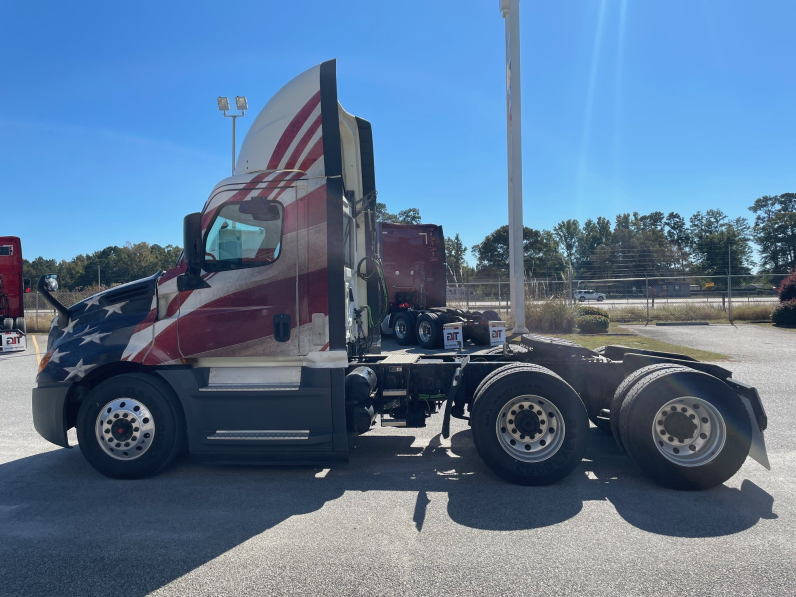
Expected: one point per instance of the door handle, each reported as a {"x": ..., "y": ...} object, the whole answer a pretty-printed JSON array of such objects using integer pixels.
[{"x": 282, "y": 327}]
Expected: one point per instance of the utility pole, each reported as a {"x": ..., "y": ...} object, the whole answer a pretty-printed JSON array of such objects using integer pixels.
[
  {"x": 571, "y": 294},
  {"x": 510, "y": 9},
  {"x": 647, "y": 287},
  {"x": 99, "y": 279},
  {"x": 729, "y": 280}
]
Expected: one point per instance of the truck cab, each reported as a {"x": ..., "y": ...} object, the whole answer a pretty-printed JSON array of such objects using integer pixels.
[
  {"x": 254, "y": 326},
  {"x": 12, "y": 293}
]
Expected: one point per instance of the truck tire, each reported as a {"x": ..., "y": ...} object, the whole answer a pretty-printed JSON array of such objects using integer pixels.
[
  {"x": 548, "y": 429},
  {"x": 19, "y": 323},
  {"x": 130, "y": 426},
  {"x": 625, "y": 387},
  {"x": 8, "y": 323},
  {"x": 480, "y": 334},
  {"x": 685, "y": 429},
  {"x": 403, "y": 328},
  {"x": 491, "y": 316},
  {"x": 428, "y": 331}
]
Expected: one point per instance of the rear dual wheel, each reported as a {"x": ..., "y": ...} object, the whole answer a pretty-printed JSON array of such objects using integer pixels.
[
  {"x": 684, "y": 428},
  {"x": 429, "y": 330},
  {"x": 529, "y": 426},
  {"x": 403, "y": 328}
]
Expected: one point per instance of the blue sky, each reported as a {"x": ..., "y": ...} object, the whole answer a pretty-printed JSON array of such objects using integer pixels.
[{"x": 110, "y": 131}]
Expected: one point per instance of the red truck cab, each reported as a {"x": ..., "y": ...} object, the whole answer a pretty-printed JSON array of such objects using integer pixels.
[{"x": 12, "y": 288}]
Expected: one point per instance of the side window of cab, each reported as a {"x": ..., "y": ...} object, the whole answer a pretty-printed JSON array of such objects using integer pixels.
[{"x": 245, "y": 234}]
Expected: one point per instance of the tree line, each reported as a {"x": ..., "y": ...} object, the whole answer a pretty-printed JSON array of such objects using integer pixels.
[
  {"x": 635, "y": 245},
  {"x": 106, "y": 267},
  {"x": 632, "y": 245}
]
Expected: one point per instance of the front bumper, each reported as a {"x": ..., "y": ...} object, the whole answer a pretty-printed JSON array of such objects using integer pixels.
[{"x": 49, "y": 413}]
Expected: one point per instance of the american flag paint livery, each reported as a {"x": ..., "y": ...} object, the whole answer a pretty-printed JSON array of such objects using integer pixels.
[{"x": 281, "y": 158}]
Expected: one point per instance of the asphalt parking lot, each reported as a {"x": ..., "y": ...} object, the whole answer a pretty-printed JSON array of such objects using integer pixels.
[{"x": 410, "y": 514}]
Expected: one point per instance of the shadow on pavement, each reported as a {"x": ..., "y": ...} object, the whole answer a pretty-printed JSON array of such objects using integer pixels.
[{"x": 64, "y": 525}]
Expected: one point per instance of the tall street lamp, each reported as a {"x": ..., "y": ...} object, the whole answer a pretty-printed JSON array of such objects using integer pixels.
[{"x": 240, "y": 104}]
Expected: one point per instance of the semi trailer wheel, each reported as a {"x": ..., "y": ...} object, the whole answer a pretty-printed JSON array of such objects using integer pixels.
[
  {"x": 428, "y": 331},
  {"x": 685, "y": 429},
  {"x": 529, "y": 425},
  {"x": 625, "y": 387},
  {"x": 130, "y": 426},
  {"x": 19, "y": 323},
  {"x": 491, "y": 316},
  {"x": 403, "y": 329},
  {"x": 8, "y": 323}
]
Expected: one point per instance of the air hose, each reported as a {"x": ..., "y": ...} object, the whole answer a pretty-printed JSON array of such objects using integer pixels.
[{"x": 384, "y": 307}]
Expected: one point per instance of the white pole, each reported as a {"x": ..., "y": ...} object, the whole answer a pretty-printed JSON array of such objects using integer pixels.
[{"x": 510, "y": 9}]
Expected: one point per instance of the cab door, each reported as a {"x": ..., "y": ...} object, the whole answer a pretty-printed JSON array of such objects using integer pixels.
[{"x": 248, "y": 306}]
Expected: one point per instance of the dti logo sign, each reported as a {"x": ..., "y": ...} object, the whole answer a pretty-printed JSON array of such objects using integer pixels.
[
  {"x": 11, "y": 340},
  {"x": 453, "y": 336},
  {"x": 497, "y": 334}
]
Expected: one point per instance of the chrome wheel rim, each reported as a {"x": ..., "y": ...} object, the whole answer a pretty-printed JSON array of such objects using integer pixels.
[
  {"x": 530, "y": 428},
  {"x": 424, "y": 331},
  {"x": 400, "y": 329},
  {"x": 689, "y": 431},
  {"x": 125, "y": 429}
]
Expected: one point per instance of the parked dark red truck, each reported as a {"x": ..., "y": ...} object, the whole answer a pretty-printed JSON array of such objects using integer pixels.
[
  {"x": 414, "y": 270},
  {"x": 256, "y": 346},
  {"x": 12, "y": 294}
]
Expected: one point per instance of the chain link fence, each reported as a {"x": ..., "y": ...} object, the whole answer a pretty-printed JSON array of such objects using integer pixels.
[
  {"x": 39, "y": 313},
  {"x": 756, "y": 296}
]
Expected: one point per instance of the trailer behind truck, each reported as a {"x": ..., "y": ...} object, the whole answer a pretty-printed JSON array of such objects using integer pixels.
[{"x": 256, "y": 346}]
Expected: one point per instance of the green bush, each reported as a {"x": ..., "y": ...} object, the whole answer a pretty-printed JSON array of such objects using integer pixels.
[
  {"x": 588, "y": 310},
  {"x": 592, "y": 324},
  {"x": 787, "y": 288},
  {"x": 549, "y": 316},
  {"x": 785, "y": 313}
]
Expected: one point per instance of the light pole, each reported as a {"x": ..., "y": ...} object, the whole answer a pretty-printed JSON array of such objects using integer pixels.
[
  {"x": 510, "y": 9},
  {"x": 242, "y": 105}
]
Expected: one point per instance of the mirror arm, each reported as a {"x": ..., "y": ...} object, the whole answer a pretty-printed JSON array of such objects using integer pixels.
[{"x": 63, "y": 312}]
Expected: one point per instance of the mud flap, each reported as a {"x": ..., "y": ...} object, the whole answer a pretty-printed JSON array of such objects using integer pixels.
[{"x": 757, "y": 451}]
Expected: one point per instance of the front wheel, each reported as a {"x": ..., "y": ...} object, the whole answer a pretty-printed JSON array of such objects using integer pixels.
[
  {"x": 529, "y": 426},
  {"x": 130, "y": 426}
]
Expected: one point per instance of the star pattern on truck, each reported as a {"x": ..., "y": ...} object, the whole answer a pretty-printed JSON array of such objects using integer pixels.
[
  {"x": 78, "y": 371},
  {"x": 70, "y": 328},
  {"x": 117, "y": 308},
  {"x": 92, "y": 300},
  {"x": 94, "y": 337},
  {"x": 56, "y": 356}
]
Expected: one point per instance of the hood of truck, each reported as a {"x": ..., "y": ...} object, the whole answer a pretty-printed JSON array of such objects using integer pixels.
[{"x": 98, "y": 330}]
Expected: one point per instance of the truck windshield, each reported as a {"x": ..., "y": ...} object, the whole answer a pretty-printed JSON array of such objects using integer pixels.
[{"x": 239, "y": 239}]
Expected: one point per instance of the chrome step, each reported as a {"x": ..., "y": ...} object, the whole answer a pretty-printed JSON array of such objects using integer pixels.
[
  {"x": 261, "y": 435},
  {"x": 247, "y": 388}
]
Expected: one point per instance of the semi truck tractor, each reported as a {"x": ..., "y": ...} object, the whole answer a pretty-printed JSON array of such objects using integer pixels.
[
  {"x": 413, "y": 257},
  {"x": 12, "y": 294},
  {"x": 255, "y": 347}
]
